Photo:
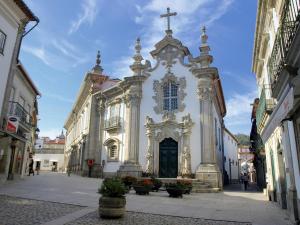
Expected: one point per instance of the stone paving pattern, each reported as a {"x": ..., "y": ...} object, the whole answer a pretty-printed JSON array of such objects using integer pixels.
[
  {"x": 134, "y": 218},
  {"x": 233, "y": 204},
  {"x": 16, "y": 211}
]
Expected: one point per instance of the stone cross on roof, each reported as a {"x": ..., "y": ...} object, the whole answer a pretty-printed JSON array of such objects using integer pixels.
[{"x": 168, "y": 15}]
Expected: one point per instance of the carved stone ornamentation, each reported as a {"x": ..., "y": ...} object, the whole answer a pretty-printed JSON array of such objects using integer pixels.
[
  {"x": 158, "y": 90},
  {"x": 186, "y": 162},
  {"x": 169, "y": 128},
  {"x": 133, "y": 96},
  {"x": 203, "y": 92}
]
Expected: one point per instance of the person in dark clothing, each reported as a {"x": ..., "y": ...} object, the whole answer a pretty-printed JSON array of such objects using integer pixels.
[
  {"x": 245, "y": 179},
  {"x": 31, "y": 171}
]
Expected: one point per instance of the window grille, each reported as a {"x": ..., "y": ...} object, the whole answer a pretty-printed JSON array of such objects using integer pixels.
[
  {"x": 170, "y": 92},
  {"x": 2, "y": 41}
]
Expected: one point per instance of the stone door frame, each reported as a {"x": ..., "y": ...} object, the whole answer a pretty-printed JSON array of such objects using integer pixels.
[{"x": 169, "y": 128}]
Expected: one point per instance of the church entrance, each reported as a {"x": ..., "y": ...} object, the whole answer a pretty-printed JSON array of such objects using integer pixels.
[{"x": 168, "y": 158}]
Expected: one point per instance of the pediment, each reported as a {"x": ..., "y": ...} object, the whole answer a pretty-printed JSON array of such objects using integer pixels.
[{"x": 172, "y": 42}]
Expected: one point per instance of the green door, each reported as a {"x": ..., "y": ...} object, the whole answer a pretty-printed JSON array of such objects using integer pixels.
[{"x": 168, "y": 158}]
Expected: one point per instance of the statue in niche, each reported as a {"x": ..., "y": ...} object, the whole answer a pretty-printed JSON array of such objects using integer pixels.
[
  {"x": 149, "y": 165},
  {"x": 186, "y": 162}
]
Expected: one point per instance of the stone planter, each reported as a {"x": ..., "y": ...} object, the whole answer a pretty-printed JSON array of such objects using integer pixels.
[
  {"x": 175, "y": 192},
  {"x": 142, "y": 190},
  {"x": 187, "y": 190},
  {"x": 112, "y": 207},
  {"x": 156, "y": 187}
]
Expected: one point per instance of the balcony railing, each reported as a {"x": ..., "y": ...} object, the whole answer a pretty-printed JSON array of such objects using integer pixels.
[
  {"x": 284, "y": 38},
  {"x": 265, "y": 107},
  {"x": 112, "y": 123},
  {"x": 15, "y": 109}
]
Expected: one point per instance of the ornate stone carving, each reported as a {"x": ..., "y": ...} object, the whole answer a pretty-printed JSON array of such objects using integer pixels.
[
  {"x": 133, "y": 96},
  {"x": 100, "y": 104},
  {"x": 169, "y": 128},
  {"x": 158, "y": 90},
  {"x": 169, "y": 116},
  {"x": 203, "y": 92}
]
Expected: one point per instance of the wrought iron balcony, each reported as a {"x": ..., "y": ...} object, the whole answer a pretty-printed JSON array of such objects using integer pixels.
[
  {"x": 284, "y": 38},
  {"x": 15, "y": 109},
  {"x": 112, "y": 123},
  {"x": 265, "y": 107}
]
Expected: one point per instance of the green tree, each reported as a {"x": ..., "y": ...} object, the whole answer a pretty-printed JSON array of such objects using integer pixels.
[{"x": 243, "y": 139}]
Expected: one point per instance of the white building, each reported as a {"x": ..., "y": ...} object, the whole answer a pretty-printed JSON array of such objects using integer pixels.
[
  {"x": 14, "y": 16},
  {"x": 231, "y": 161},
  {"x": 49, "y": 154},
  {"x": 276, "y": 63},
  {"x": 165, "y": 120}
]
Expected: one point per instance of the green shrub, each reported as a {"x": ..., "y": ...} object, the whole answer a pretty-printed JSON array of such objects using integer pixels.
[{"x": 112, "y": 187}]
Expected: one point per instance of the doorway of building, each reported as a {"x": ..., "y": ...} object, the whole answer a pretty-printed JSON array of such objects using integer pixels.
[
  {"x": 168, "y": 158},
  {"x": 282, "y": 176},
  {"x": 54, "y": 166}
]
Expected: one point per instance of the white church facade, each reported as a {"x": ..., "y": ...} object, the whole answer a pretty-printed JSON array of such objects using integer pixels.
[{"x": 165, "y": 120}]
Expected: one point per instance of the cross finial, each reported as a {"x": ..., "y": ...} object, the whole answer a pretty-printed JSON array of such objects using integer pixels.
[{"x": 168, "y": 15}]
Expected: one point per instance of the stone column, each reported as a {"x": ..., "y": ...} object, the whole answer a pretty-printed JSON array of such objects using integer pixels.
[
  {"x": 292, "y": 204},
  {"x": 101, "y": 111},
  {"x": 131, "y": 165},
  {"x": 208, "y": 171}
]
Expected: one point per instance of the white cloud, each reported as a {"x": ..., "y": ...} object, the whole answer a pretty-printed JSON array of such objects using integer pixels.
[
  {"x": 51, "y": 133},
  {"x": 239, "y": 110},
  {"x": 89, "y": 10},
  {"x": 37, "y": 52},
  {"x": 190, "y": 15}
]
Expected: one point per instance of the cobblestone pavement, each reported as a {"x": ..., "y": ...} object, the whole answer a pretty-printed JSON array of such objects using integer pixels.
[
  {"x": 133, "y": 218},
  {"x": 17, "y": 211}
]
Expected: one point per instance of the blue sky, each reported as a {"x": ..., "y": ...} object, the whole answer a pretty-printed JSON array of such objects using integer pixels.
[{"x": 62, "y": 48}]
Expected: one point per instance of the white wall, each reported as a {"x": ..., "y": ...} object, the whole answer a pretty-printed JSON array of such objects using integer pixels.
[
  {"x": 192, "y": 107},
  {"x": 231, "y": 152},
  {"x": 59, "y": 158},
  {"x": 8, "y": 25}
]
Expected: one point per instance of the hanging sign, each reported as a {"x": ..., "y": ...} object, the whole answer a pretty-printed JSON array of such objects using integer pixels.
[{"x": 12, "y": 124}]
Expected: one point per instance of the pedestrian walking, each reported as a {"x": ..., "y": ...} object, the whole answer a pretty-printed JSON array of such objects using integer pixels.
[
  {"x": 246, "y": 179},
  {"x": 31, "y": 171}
]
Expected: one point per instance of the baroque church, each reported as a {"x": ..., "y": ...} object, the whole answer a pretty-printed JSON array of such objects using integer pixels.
[{"x": 165, "y": 120}]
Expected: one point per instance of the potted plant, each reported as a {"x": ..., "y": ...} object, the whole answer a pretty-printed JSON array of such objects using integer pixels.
[
  {"x": 112, "y": 202},
  {"x": 187, "y": 184},
  {"x": 156, "y": 184},
  {"x": 129, "y": 181},
  {"x": 142, "y": 187},
  {"x": 175, "y": 190}
]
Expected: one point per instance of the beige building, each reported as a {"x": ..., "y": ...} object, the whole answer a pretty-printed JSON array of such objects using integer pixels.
[
  {"x": 49, "y": 154},
  {"x": 276, "y": 62}
]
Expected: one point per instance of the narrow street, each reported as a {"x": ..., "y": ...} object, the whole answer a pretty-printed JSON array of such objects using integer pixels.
[{"x": 55, "y": 198}]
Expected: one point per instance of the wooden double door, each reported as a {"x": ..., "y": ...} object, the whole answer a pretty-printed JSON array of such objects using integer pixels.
[{"x": 168, "y": 158}]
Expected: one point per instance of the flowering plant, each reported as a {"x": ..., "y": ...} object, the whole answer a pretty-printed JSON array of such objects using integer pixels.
[{"x": 144, "y": 182}]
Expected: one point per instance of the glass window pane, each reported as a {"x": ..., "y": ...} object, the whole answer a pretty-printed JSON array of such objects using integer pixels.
[
  {"x": 173, "y": 90},
  {"x": 166, "y": 104},
  {"x": 174, "y": 104},
  {"x": 166, "y": 90}
]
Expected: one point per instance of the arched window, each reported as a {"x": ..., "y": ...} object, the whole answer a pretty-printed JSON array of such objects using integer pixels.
[
  {"x": 113, "y": 152},
  {"x": 112, "y": 145},
  {"x": 170, "y": 96}
]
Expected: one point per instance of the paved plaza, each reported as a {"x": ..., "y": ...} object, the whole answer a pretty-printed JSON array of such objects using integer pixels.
[{"x": 54, "y": 198}]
